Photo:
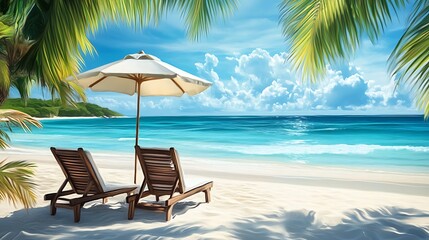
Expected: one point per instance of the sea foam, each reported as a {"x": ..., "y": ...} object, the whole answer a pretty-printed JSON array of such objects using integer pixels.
[{"x": 309, "y": 149}]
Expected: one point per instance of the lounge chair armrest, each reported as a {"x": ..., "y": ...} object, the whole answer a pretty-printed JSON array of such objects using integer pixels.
[
  {"x": 85, "y": 199},
  {"x": 50, "y": 196},
  {"x": 204, "y": 187},
  {"x": 132, "y": 198}
]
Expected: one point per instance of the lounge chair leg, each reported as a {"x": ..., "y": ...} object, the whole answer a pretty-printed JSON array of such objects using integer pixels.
[
  {"x": 208, "y": 197},
  {"x": 131, "y": 200},
  {"x": 76, "y": 212},
  {"x": 105, "y": 200},
  {"x": 53, "y": 208},
  {"x": 168, "y": 211},
  {"x": 131, "y": 211}
]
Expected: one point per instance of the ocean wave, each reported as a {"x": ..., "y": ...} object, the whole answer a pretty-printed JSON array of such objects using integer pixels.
[
  {"x": 299, "y": 141},
  {"x": 316, "y": 149},
  {"x": 326, "y": 129},
  {"x": 132, "y": 139},
  {"x": 299, "y": 161}
]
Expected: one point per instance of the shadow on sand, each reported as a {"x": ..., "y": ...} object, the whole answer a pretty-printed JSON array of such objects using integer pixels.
[
  {"x": 386, "y": 223},
  {"x": 110, "y": 222},
  {"x": 98, "y": 221}
]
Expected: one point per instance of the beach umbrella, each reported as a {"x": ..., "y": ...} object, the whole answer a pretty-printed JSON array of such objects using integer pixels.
[{"x": 143, "y": 74}]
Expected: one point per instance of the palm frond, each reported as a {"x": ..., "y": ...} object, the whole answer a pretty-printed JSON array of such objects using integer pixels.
[
  {"x": 138, "y": 13},
  {"x": 16, "y": 183},
  {"x": 4, "y": 138},
  {"x": 5, "y": 30},
  {"x": 17, "y": 118},
  {"x": 61, "y": 40},
  {"x": 200, "y": 14},
  {"x": 409, "y": 61},
  {"x": 322, "y": 32},
  {"x": 10, "y": 117},
  {"x": 68, "y": 92},
  {"x": 17, "y": 11},
  {"x": 16, "y": 47},
  {"x": 4, "y": 79}
]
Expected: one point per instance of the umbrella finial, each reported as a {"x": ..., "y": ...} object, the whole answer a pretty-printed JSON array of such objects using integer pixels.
[{"x": 140, "y": 55}]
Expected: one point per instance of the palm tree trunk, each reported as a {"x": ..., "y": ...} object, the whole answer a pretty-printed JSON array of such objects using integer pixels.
[{"x": 4, "y": 93}]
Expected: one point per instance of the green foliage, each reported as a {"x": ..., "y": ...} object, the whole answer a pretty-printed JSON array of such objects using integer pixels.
[
  {"x": 50, "y": 108},
  {"x": 409, "y": 62},
  {"x": 49, "y": 111},
  {"x": 94, "y": 109},
  {"x": 323, "y": 31},
  {"x": 199, "y": 15},
  {"x": 15, "y": 183}
]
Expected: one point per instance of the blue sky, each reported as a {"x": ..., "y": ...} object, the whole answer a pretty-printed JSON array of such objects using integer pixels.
[{"x": 245, "y": 58}]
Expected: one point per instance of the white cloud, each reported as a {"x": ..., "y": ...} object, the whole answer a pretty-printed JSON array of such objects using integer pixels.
[
  {"x": 262, "y": 83},
  {"x": 116, "y": 102}
]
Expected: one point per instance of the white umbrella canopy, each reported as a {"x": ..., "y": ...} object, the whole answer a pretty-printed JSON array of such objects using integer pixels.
[
  {"x": 156, "y": 77},
  {"x": 143, "y": 74}
]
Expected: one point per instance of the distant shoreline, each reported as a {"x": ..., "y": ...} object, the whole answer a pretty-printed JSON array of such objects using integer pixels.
[
  {"x": 268, "y": 115},
  {"x": 82, "y": 117}
]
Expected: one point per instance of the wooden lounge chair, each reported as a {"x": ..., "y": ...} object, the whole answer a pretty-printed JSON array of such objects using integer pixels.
[
  {"x": 85, "y": 181},
  {"x": 162, "y": 176}
]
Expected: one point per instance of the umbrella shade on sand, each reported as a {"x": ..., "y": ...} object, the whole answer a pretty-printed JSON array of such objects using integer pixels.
[{"x": 145, "y": 75}]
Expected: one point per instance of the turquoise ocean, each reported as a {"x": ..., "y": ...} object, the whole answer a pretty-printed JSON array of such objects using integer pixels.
[{"x": 399, "y": 143}]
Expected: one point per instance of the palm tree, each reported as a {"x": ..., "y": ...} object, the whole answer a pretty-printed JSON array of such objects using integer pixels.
[
  {"x": 13, "y": 47},
  {"x": 322, "y": 32},
  {"x": 15, "y": 176}
]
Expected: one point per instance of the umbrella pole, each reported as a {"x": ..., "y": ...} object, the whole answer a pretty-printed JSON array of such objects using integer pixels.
[{"x": 137, "y": 131}]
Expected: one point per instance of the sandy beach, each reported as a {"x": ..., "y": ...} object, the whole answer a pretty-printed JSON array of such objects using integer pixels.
[
  {"x": 296, "y": 120},
  {"x": 250, "y": 200}
]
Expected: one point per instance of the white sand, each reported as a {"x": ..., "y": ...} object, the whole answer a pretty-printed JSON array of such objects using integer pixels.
[{"x": 250, "y": 200}]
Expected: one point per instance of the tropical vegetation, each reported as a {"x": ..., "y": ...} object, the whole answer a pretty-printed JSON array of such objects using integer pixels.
[
  {"x": 43, "y": 41},
  {"x": 54, "y": 108},
  {"x": 16, "y": 183},
  {"x": 322, "y": 32}
]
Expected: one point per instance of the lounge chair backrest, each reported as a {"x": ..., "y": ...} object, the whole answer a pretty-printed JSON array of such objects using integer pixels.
[
  {"x": 79, "y": 170},
  {"x": 161, "y": 169},
  {"x": 96, "y": 172}
]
